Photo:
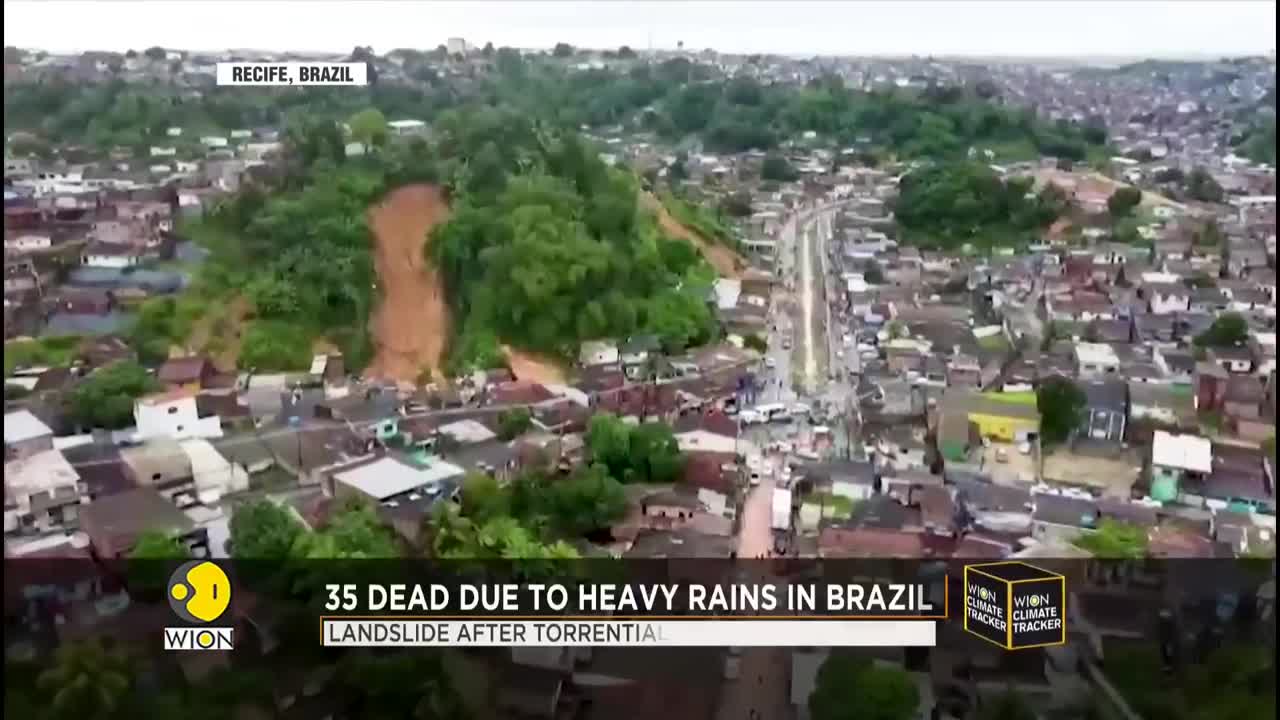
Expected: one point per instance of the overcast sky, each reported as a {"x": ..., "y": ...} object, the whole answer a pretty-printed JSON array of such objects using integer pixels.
[{"x": 1018, "y": 28}]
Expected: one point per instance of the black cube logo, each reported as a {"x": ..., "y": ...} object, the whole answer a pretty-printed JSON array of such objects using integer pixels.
[{"x": 1015, "y": 605}]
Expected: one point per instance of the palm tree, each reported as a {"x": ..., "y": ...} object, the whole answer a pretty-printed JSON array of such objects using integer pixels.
[{"x": 87, "y": 681}]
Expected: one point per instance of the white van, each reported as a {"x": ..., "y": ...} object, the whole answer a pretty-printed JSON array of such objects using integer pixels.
[{"x": 773, "y": 412}]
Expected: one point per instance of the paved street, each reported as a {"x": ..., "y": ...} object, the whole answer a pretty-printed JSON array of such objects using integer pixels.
[{"x": 800, "y": 348}]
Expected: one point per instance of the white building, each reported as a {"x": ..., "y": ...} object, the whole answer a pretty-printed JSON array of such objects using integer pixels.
[
  {"x": 707, "y": 441},
  {"x": 214, "y": 141},
  {"x": 41, "y": 492},
  {"x": 388, "y": 478},
  {"x": 1168, "y": 298},
  {"x": 25, "y": 434},
  {"x": 174, "y": 415},
  {"x": 29, "y": 242},
  {"x": 598, "y": 352},
  {"x": 110, "y": 256},
  {"x": 727, "y": 291},
  {"x": 456, "y": 46},
  {"x": 1096, "y": 359},
  {"x": 406, "y": 127},
  {"x": 214, "y": 475}
]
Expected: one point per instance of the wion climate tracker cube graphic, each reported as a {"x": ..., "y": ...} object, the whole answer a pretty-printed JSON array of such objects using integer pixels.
[{"x": 1015, "y": 605}]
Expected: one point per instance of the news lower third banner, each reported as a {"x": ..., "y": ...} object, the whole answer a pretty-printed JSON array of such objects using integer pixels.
[
  {"x": 386, "y": 632},
  {"x": 218, "y": 605}
]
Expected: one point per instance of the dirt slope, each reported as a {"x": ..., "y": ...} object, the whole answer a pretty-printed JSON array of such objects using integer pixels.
[
  {"x": 528, "y": 367},
  {"x": 411, "y": 323},
  {"x": 218, "y": 333},
  {"x": 726, "y": 262}
]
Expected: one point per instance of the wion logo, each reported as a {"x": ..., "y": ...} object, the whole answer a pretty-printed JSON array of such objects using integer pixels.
[
  {"x": 199, "y": 593},
  {"x": 1015, "y": 605}
]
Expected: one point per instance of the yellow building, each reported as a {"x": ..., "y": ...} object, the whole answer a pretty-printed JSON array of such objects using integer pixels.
[{"x": 993, "y": 419}]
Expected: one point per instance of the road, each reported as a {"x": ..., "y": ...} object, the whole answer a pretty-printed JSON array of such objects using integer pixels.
[
  {"x": 808, "y": 348},
  {"x": 761, "y": 690},
  {"x": 761, "y": 685}
]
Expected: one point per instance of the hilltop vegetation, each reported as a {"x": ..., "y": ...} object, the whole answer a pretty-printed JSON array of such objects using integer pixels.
[
  {"x": 137, "y": 116},
  {"x": 948, "y": 205},
  {"x": 1259, "y": 142},
  {"x": 547, "y": 246},
  {"x": 674, "y": 99}
]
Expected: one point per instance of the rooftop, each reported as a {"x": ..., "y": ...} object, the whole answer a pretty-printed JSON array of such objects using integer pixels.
[
  {"x": 1187, "y": 452},
  {"x": 21, "y": 425},
  {"x": 1096, "y": 354},
  {"x": 388, "y": 476},
  {"x": 114, "y": 522}
]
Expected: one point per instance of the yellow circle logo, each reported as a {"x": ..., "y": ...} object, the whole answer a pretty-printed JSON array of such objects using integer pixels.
[
  {"x": 199, "y": 591},
  {"x": 1034, "y": 600},
  {"x": 984, "y": 593}
]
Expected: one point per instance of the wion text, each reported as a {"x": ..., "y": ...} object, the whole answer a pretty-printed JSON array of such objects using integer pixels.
[{"x": 190, "y": 638}]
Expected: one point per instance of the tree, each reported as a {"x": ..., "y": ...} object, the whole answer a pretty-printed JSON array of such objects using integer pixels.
[
  {"x": 562, "y": 50},
  {"x": 88, "y": 681},
  {"x": 487, "y": 50},
  {"x": 1228, "y": 330},
  {"x": 677, "y": 170},
  {"x": 986, "y": 89},
  {"x": 1061, "y": 404},
  {"x": 586, "y": 501},
  {"x": 626, "y": 53},
  {"x": 737, "y": 204},
  {"x": 776, "y": 168},
  {"x": 514, "y": 423},
  {"x": 609, "y": 443},
  {"x": 105, "y": 398},
  {"x": 155, "y": 553},
  {"x": 369, "y": 127},
  {"x": 263, "y": 530},
  {"x": 157, "y": 545},
  {"x": 947, "y": 205},
  {"x": 1123, "y": 201},
  {"x": 853, "y": 688},
  {"x": 154, "y": 53},
  {"x": 353, "y": 532},
  {"x": 1201, "y": 186},
  {"x": 753, "y": 341},
  {"x": 483, "y": 498},
  {"x": 655, "y": 454},
  {"x": 366, "y": 55},
  {"x": 1114, "y": 540}
]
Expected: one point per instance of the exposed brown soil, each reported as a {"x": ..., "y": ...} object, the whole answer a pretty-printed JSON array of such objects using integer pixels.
[
  {"x": 725, "y": 261},
  {"x": 411, "y": 323},
  {"x": 528, "y": 367},
  {"x": 218, "y": 334}
]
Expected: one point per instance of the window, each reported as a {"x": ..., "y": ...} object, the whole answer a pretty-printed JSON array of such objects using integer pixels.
[{"x": 173, "y": 410}]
